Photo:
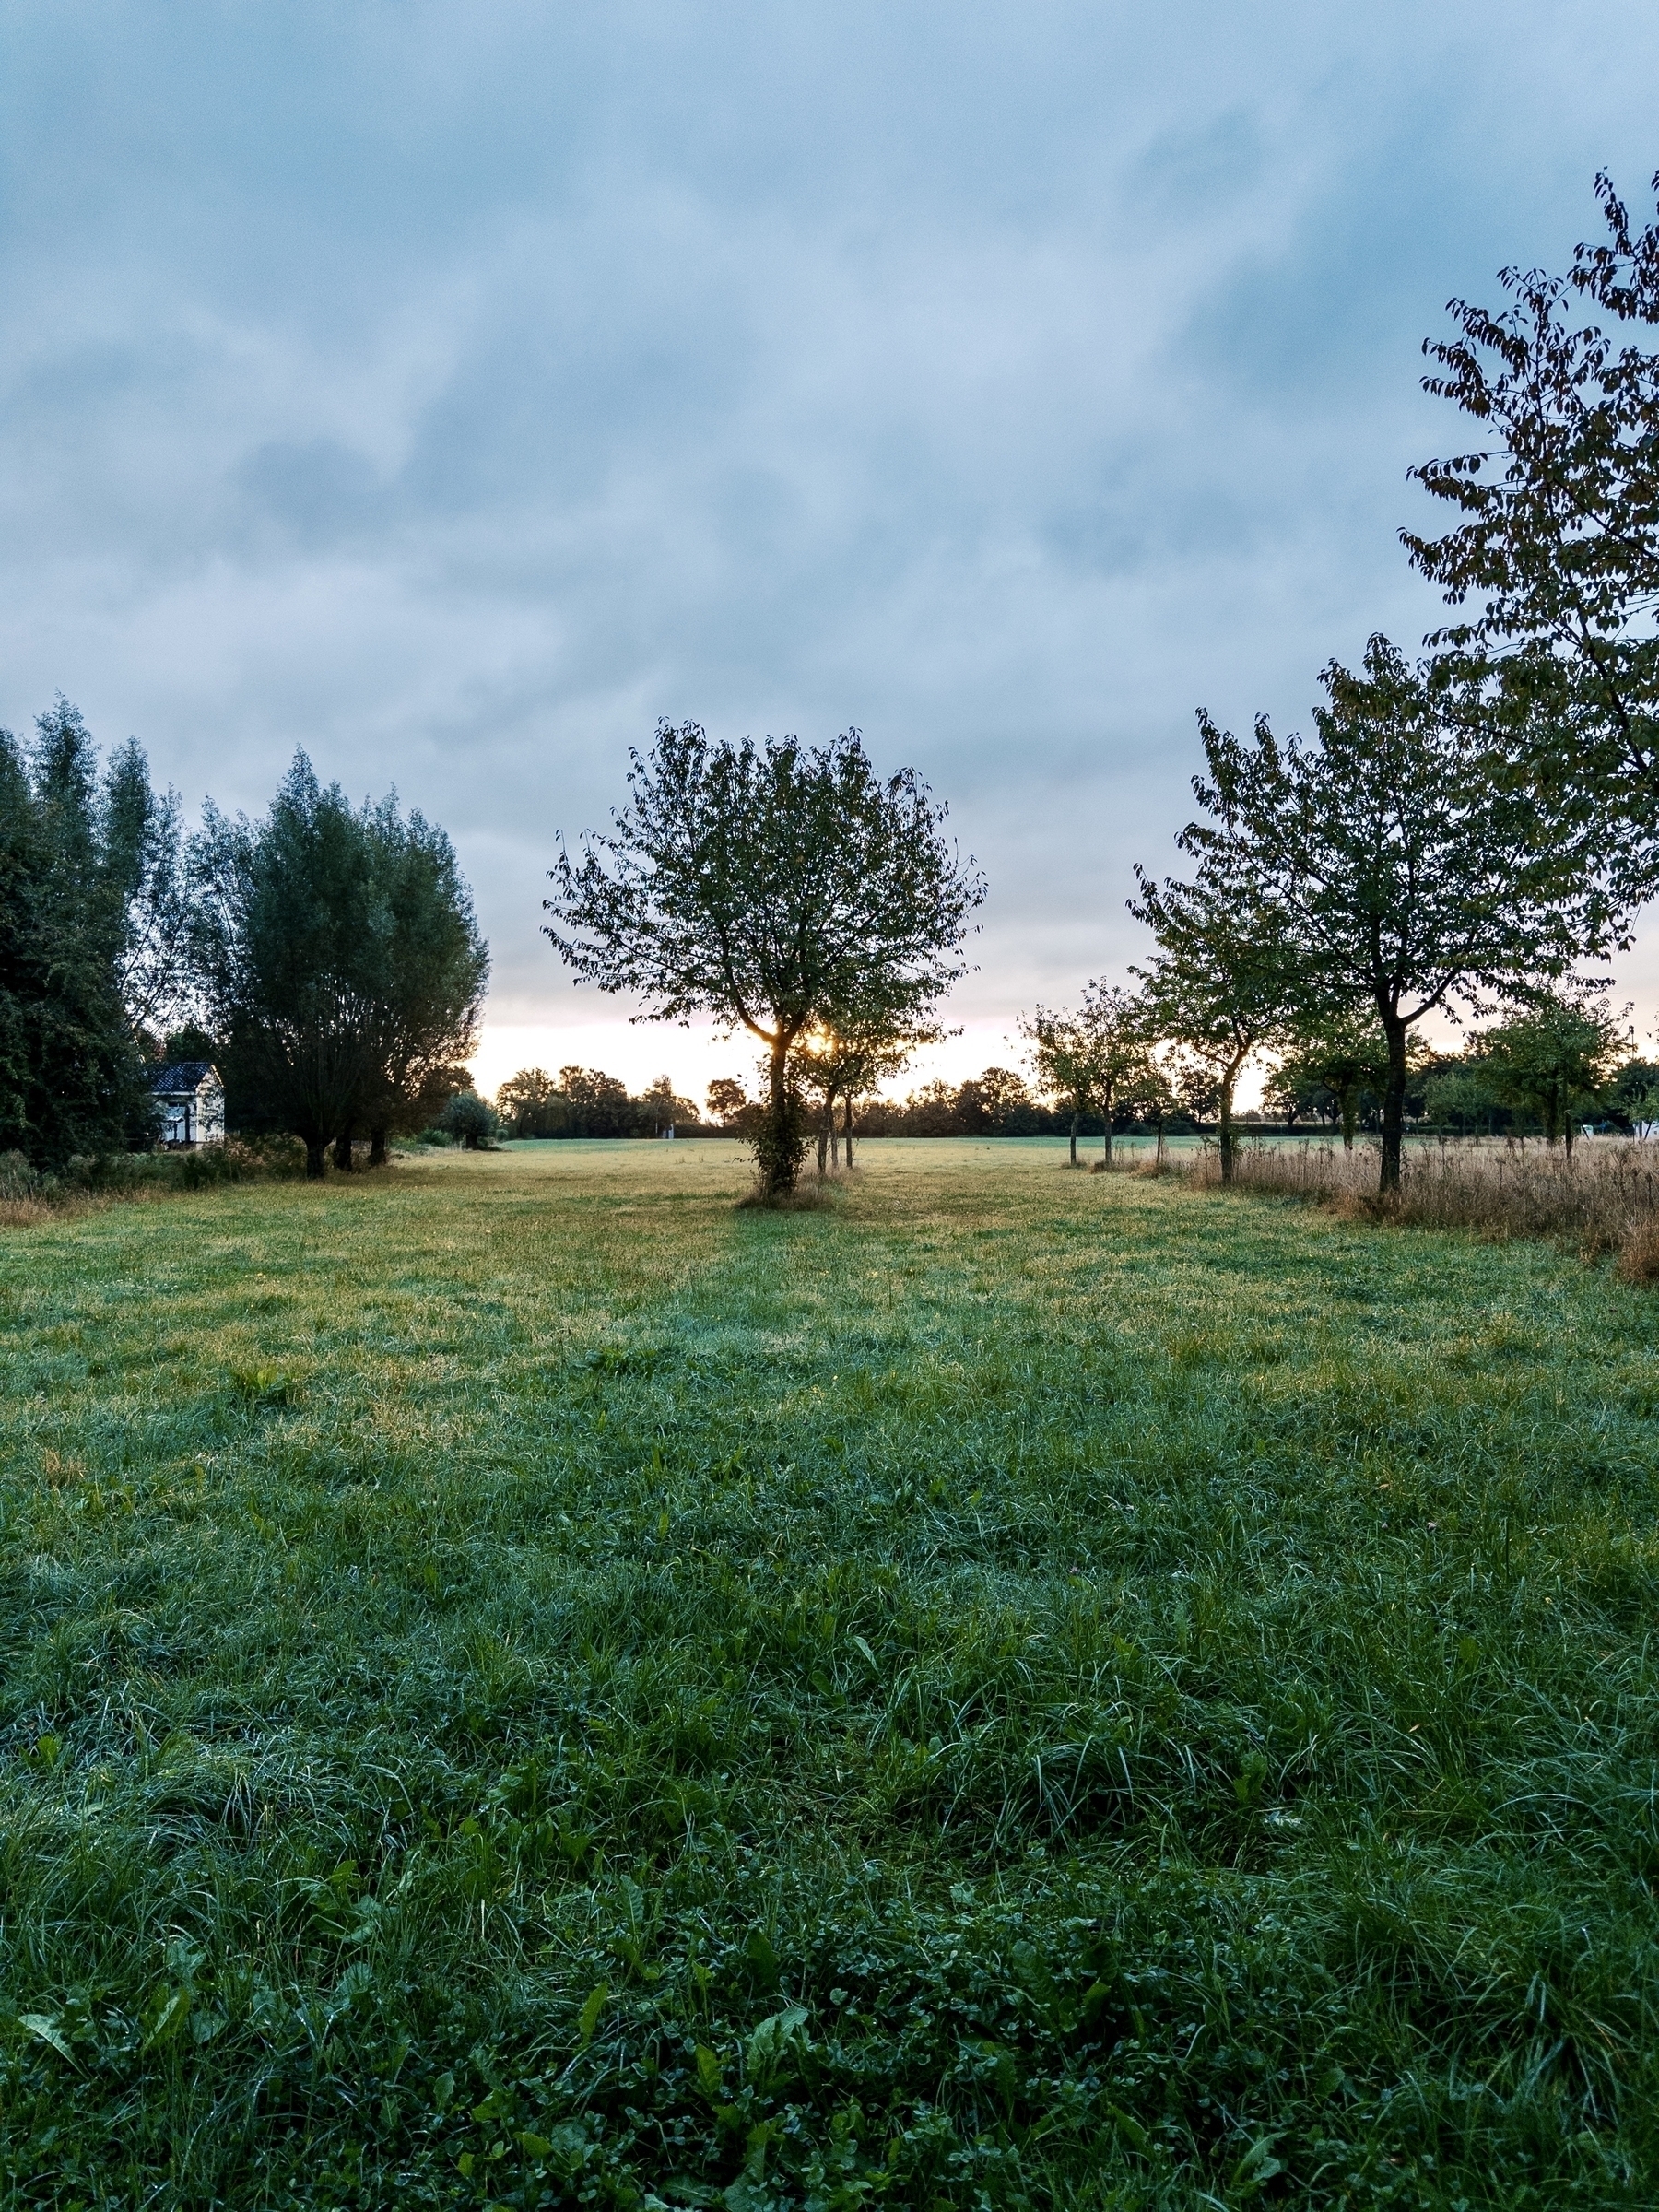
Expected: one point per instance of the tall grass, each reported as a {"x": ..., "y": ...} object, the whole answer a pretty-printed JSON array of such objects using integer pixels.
[{"x": 1601, "y": 1195}]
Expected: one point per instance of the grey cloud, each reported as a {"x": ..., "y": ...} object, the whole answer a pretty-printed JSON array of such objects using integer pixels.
[{"x": 454, "y": 392}]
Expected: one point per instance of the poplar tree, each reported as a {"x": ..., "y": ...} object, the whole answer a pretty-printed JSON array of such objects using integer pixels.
[{"x": 72, "y": 896}]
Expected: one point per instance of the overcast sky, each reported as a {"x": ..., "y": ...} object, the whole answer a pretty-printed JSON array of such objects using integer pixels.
[{"x": 454, "y": 390}]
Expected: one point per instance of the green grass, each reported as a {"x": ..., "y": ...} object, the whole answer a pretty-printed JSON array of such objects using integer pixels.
[{"x": 524, "y": 1685}]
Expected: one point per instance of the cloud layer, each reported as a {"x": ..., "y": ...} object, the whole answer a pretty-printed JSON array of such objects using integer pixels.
[{"x": 453, "y": 392}]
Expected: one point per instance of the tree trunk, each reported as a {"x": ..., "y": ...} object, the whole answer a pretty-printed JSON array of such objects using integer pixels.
[
  {"x": 825, "y": 1120},
  {"x": 1350, "y": 1114},
  {"x": 1157, "y": 1158},
  {"x": 343, "y": 1150},
  {"x": 377, "y": 1147},
  {"x": 1228, "y": 1080},
  {"x": 1106, "y": 1130},
  {"x": 780, "y": 1141},
  {"x": 1074, "y": 1138},
  {"x": 316, "y": 1166},
  {"x": 847, "y": 1128},
  {"x": 1394, "y": 1105}
]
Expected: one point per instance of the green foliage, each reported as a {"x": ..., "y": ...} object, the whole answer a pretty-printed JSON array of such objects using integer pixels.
[
  {"x": 1148, "y": 1701},
  {"x": 1096, "y": 1059},
  {"x": 1556, "y": 1057},
  {"x": 1406, "y": 869},
  {"x": 71, "y": 1077},
  {"x": 470, "y": 1121},
  {"x": 340, "y": 964},
  {"x": 1219, "y": 986},
  {"x": 1342, "y": 1057},
  {"x": 773, "y": 887},
  {"x": 1557, "y": 540}
]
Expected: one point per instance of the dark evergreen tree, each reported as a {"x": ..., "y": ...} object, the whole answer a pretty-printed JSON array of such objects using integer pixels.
[{"x": 72, "y": 1079}]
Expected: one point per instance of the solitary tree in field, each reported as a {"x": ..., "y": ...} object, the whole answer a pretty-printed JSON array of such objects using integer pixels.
[
  {"x": 1558, "y": 544},
  {"x": 1219, "y": 986},
  {"x": 1405, "y": 871},
  {"x": 471, "y": 1121},
  {"x": 773, "y": 887}
]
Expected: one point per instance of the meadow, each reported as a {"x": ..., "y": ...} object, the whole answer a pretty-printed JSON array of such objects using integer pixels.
[{"x": 525, "y": 1685}]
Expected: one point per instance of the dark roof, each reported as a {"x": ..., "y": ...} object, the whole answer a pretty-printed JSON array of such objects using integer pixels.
[{"x": 180, "y": 1075}]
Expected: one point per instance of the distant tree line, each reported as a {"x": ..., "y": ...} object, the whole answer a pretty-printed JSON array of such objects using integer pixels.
[
  {"x": 326, "y": 958},
  {"x": 584, "y": 1103}
]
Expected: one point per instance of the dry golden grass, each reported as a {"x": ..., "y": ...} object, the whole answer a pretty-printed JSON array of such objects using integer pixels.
[{"x": 1603, "y": 1198}]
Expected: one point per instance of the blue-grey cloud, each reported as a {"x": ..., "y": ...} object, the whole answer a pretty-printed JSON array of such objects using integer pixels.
[{"x": 453, "y": 392}]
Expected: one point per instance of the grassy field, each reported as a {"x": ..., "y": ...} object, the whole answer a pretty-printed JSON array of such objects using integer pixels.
[{"x": 524, "y": 1685}]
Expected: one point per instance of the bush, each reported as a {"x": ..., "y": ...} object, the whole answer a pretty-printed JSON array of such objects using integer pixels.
[{"x": 26, "y": 1195}]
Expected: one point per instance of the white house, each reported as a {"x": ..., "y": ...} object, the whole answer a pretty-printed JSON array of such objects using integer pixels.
[{"x": 191, "y": 1099}]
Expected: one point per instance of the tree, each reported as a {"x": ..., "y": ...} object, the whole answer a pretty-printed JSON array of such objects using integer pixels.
[
  {"x": 1559, "y": 545},
  {"x": 431, "y": 968},
  {"x": 1636, "y": 1093},
  {"x": 72, "y": 1080},
  {"x": 773, "y": 887},
  {"x": 470, "y": 1121},
  {"x": 596, "y": 1104},
  {"x": 843, "y": 1063},
  {"x": 1091, "y": 1060},
  {"x": 661, "y": 1108},
  {"x": 1403, "y": 871},
  {"x": 1064, "y": 1061},
  {"x": 144, "y": 842},
  {"x": 528, "y": 1102},
  {"x": 340, "y": 963},
  {"x": 290, "y": 953},
  {"x": 1156, "y": 1093},
  {"x": 1219, "y": 987},
  {"x": 729, "y": 1104},
  {"x": 1346, "y": 1055},
  {"x": 1555, "y": 1056}
]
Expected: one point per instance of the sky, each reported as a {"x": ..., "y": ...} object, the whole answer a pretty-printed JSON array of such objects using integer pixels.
[{"x": 454, "y": 390}]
